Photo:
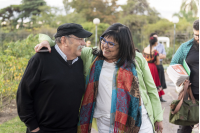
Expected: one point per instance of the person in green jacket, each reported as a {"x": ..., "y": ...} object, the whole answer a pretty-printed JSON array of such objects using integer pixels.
[
  {"x": 189, "y": 51},
  {"x": 120, "y": 92}
]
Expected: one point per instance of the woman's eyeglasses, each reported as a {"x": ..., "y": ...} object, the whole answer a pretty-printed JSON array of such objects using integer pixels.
[{"x": 103, "y": 41}]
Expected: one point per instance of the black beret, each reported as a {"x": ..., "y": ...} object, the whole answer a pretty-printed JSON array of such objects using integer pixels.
[{"x": 74, "y": 29}]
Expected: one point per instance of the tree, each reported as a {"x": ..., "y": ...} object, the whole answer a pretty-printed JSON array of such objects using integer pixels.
[
  {"x": 186, "y": 15},
  {"x": 31, "y": 8},
  {"x": 136, "y": 14},
  {"x": 67, "y": 6},
  {"x": 190, "y": 6},
  {"x": 105, "y": 10},
  {"x": 10, "y": 15}
]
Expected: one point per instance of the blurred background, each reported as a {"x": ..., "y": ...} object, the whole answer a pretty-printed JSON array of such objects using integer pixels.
[{"x": 22, "y": 20}]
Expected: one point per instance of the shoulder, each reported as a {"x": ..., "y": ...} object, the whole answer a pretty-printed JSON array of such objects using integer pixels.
[
  {"x": 44, "y": 55},
  {"x": 86, "y": 50},
  {"x": 139, "y": 58},
  {"x": 188, "y": 43}
]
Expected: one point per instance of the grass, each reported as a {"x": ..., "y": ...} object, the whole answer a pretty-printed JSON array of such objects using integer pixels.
[{"x": 13, "y": 126}]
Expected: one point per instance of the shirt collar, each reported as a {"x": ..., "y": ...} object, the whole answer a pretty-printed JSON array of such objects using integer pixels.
[{"x": 63, "y": 55}]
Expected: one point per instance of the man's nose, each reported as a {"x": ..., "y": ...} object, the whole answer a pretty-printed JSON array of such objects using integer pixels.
[{"x": 83, "y": 43}]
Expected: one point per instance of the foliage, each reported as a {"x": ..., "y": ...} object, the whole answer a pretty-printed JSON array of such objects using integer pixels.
[
  {"x": 105, "y": 10},
  {"x": 28, "y": 9},
  {"x": 67, "y": 6},
  {"x": 31, "y": 7},
  {"x": 13, "y": 126},
  {"x": 8, "y": 15},
  {"x": 165, "y": 28},
  {"x": 190, "y": 6},
  {"x": 136, "y": 14},
  {"x": 186, "y": 15},
  {"x": 91, "y": 27},
  {"x": 13, "y": 62},
  {"x": 24, "y": 48}
]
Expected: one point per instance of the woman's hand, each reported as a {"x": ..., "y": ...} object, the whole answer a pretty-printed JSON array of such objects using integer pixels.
[
  {"x": 42, "y": 44},
  {"x": 159, "y": 126}
]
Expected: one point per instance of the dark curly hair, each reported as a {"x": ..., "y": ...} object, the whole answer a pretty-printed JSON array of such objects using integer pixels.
[{"x": 196, "y": 24}]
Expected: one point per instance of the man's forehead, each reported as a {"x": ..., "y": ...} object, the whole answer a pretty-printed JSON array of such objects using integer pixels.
[{"x": 195, "y": 31}]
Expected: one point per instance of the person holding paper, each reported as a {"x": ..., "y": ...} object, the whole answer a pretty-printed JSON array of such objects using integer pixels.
[{"x": 188, "y": 53}]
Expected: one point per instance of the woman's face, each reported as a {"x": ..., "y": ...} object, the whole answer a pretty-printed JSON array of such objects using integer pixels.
[{"x": 110, "y": 53}]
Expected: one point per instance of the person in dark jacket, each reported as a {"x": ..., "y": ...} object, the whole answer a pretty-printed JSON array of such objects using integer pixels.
[{"x": 48, "y": 97}]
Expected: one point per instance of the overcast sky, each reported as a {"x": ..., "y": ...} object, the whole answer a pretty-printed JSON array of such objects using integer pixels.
[{"x": 165, "y": 7}]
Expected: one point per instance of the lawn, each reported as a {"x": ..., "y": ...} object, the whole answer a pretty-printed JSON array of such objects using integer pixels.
[{"x": 13, "y": 126}]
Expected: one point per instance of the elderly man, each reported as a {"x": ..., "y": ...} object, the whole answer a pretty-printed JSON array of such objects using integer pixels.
[
  {"x": 48, "y": 97},
  {"x": 189, "y": 51}
]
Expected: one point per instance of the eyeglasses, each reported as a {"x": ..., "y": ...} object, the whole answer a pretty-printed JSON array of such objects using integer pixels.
[
  {"x": 80, "y": 39},
  {"x": 110, "y": 44},
  {"x": 196, "y": 35}
]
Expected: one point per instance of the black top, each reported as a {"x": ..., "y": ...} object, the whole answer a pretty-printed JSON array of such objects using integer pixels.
[
  {"x": 50, "y": 93},
  {"x": 193, "y": 63}
]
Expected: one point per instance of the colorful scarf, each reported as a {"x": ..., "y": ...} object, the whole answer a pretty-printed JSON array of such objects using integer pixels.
[{"x": 125, "y": 115}]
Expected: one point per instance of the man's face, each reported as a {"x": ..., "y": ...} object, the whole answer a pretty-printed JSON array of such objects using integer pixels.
[
  {"x": 196, "y": 35},
  {"x": 75, "y": 45}
]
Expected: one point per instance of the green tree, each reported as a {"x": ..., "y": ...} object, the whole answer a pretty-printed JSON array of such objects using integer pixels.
[
  {"x": 31, "y": 8},
  {"x": 186, "y": 15},
  {"x": 136, "y": 14},
  {"x": 67, "y": 6},
  {"x": 105, "y": 10},
  {"x": 9, "y": 17},
  {"x": 190, "y": 6}
]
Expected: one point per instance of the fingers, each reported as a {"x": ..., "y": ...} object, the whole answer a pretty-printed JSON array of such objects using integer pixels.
[
  {"x": 39, "y": 47},
  {"x": 156, "y": 126},
  {"x": 36, "y": 47}
]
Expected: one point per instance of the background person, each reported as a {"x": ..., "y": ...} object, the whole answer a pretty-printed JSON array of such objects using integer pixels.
[
  {"x": 48, "y": 97},
  {"x": 152, "y": 57},
  {"x": 88, "y": 43},
  {"x": 162, "y": 55},
  {"x": 116, "y": 43},
  {"x": 189, "y": 51}
]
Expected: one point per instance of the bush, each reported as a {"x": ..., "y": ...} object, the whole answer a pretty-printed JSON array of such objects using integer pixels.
[{"x": 13, "y": 61}]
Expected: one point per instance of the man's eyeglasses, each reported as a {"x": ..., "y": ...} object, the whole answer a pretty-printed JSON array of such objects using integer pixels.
[
  {"x": 110, "y": 44},
  {"x": 196, "y": 35},
  {"x": 80, "y": 39}
]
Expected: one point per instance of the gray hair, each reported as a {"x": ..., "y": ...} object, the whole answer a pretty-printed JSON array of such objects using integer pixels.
[{"x": 58, "y": 39}]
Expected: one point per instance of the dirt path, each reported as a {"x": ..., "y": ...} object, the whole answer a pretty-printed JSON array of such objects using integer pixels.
[{"x": 9, "y": 112}]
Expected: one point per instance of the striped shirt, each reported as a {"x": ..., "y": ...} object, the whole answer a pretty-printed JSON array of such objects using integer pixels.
[
  {"x": 63, "y": 55},
  {"x": 182, "y": 52}
]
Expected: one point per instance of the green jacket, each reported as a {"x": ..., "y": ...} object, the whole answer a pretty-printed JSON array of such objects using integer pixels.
[
  {"x": 147, "y": 87},
  {"x": 182, "y": 52}
]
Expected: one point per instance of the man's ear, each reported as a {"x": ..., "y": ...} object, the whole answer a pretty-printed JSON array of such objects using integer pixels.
[{"x": 64, "y": 40}]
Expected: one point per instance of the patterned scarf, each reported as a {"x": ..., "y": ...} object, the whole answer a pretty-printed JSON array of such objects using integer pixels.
[{"x": 125, "y": 115}]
